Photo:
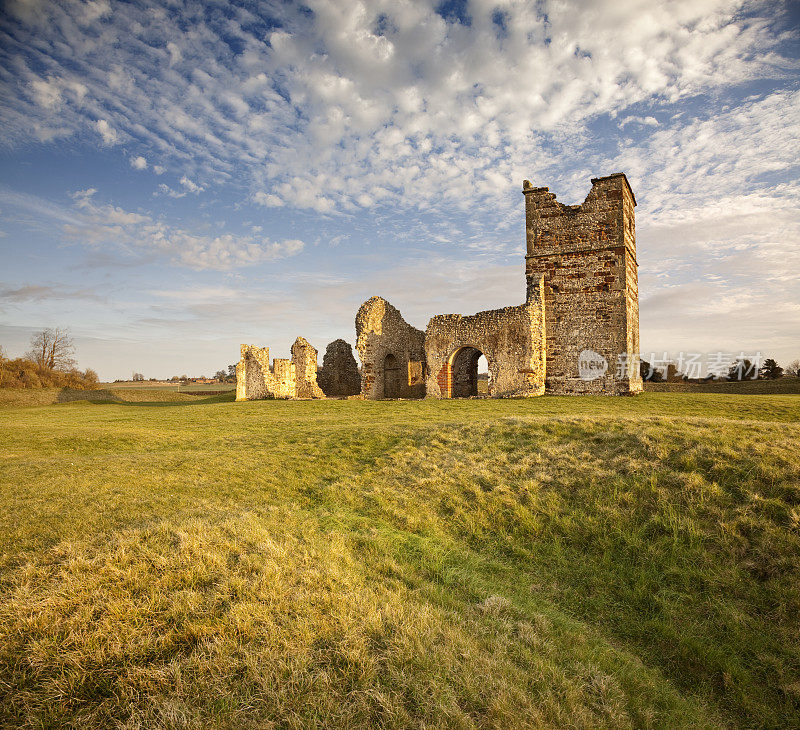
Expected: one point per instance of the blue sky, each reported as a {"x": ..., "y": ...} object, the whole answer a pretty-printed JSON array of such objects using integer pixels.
[{"x": 180, "y": 178}]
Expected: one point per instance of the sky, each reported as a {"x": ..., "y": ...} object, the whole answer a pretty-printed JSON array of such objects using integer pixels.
[{"x": 178, "y": 178}]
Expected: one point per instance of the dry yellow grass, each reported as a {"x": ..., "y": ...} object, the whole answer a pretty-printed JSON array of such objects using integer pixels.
[{"x": 547, "y": 563}]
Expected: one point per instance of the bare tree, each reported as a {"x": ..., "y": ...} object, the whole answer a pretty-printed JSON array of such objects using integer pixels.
[
  {"x": 137, "y": 377},
  {"x": 794, "y": 367},
  {"x": 52, "y": 348}
]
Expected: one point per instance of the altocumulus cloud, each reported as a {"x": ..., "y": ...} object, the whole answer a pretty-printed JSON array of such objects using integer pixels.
[
  {"x": 340, "y": 106},
  {"x": 103, "y": 224}
]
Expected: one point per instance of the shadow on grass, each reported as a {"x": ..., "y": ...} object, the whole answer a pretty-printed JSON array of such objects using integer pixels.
[
  {"x": 70, "y": 395},
  {"x": 223, "y": 398},
  {"x": 103, "y": 396}
]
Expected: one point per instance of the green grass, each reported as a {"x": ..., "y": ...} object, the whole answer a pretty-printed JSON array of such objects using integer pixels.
[{"x": 553, "y": 562}]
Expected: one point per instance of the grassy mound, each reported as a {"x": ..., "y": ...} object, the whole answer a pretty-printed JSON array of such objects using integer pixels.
[{"x": 556, "y": 562}]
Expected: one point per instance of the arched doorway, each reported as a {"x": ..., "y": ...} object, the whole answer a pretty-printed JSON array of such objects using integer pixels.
[
  {"x": 463, "y": 374},
  {"x": 392, "y": 377}
]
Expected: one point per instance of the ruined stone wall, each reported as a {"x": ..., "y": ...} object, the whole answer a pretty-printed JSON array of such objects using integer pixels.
[
  {"x": 304, "y": 358},
  {"x": 295, "y": 378},
  {"x": 392, "y": 352},
  {"x": 581, "y": 312},
  {"x": 283, "y": 382},
  {"x": 339, "y": 377},
  {"x": 587, "y": 256},
  {"x": 512, "y": 340},
  {"x": 252, "y": 373}
]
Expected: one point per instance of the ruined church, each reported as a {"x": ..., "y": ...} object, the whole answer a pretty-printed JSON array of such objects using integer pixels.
[{"x": 576, "y": 333}]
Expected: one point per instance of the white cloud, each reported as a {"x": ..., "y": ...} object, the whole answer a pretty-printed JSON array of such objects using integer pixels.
[
  {"x": 159, "y": 169},
  {"x": 644, "y": 121},
  {"x": 108, "y": 134},
  {"x": 336, "y": 105},
  {"x": 138, "y": 163},
  {"x": 269, "y": 200},
  {"x": 191, "y": 186},
  {"x": 103, "y": 226},
  {"x": 167, "y": 190}
]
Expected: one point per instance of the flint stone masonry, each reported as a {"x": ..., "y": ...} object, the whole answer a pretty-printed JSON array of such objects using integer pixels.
[
  {"x": 577, "y": 333},
  {"x": 339, "y": 377},
  {"x": 295, "y": 378},
  {"x": 304, "y": 357},
  {"x": 512, "y": 340},
  {"x": 392, "y": 352},
  {"x": 587, "y": 256}
]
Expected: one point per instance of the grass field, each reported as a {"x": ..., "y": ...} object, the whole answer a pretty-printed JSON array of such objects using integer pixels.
[{"x": 554, "y": 562}]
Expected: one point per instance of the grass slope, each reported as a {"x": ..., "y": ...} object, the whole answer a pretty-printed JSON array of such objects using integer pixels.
[{"x": 555, "y": 562}]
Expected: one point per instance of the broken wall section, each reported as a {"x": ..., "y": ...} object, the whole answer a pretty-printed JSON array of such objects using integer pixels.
[
  {"x": 512, "y": 339},
  {"x": 392, "y": 352},
  {"x": 252, "y": 373},
  {"x": 304, "y": 358},
  {"x": 295, "y": 378}
]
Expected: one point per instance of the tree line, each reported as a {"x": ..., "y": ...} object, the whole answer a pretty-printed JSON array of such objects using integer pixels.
[{"x": 739, "y": 369}]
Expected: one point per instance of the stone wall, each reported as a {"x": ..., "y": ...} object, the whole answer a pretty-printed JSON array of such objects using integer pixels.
[
  {"x": 339, "y": 377},
  {"x": 587, "y": 256},
  {"x": 392, "y": 352},
  {"x": 304, "y": 358},
  {"x": 512, "y": 340},
  {"x": 295, "y": 378},
  {"x": 252, "y": 373}
]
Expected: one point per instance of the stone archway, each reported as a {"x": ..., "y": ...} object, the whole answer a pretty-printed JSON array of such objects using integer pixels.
[
  {"x": 459, "y": 375},
  {"x": 392, "y": 377}
]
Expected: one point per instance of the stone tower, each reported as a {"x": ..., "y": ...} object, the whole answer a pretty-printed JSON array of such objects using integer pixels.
[{"x": 587, "y": 256}]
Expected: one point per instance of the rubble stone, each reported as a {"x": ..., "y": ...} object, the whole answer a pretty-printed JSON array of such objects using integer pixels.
[{"x": 295, "y": 378}]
